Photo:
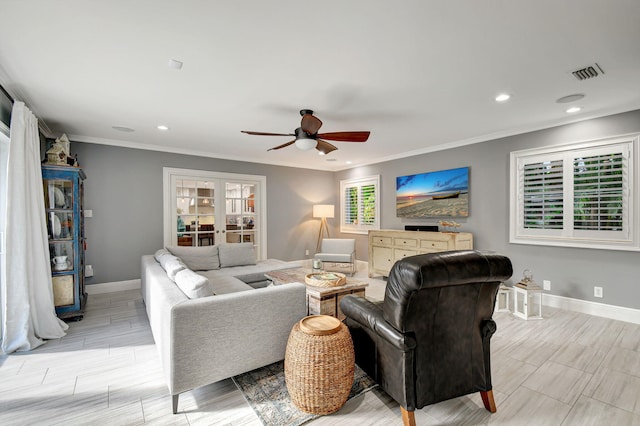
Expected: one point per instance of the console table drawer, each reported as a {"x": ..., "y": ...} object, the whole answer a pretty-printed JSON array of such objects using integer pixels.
[
  {"x": 405, "y": 242},
  {"x": 399, "y": 253},
  {"x": 383, "y": 241},
  {"x": 434, "y": 245}
]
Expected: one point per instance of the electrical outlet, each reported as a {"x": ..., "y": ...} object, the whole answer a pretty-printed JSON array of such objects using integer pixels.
[
  {"x": 597, "y": 292},
  {"x": 546, "y": 285},
  {"x": 306, "y": 252},
  {"x": 88, "y": 270}
]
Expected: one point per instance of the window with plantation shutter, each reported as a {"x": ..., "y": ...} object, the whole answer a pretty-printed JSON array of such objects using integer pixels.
[
  {"x": 359, "y": 205},
  {"x": 577, "y": 195}
]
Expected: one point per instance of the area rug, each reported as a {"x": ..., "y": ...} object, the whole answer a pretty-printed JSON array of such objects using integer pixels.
[{"x": 266, "y": 392}]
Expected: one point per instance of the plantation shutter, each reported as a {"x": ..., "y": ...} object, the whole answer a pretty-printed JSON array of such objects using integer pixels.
[
  {"x": 360, "y": 210},
  {"x": 368, "y": 204},
  {"x": 351, "y": 205},
  {"x": 598, "y": 192},
  {"x": 543, "y": 202}
]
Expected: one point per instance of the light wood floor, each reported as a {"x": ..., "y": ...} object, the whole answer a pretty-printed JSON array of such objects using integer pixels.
[{"x": 567, "y": 369}]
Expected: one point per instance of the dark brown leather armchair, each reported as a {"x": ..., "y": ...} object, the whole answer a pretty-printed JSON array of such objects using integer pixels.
[{"x": 428, "y": 340}]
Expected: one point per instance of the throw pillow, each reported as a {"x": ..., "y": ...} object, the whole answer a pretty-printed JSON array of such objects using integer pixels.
[
  {"x": 237, "y": 254},
  {"x": 174, "y": 266},
  {"x": 159, "y": 254},
  {"x": 193, "y": 285},
  {"x": 197, "y": 258},
  {"x": 166, "y": 258}
]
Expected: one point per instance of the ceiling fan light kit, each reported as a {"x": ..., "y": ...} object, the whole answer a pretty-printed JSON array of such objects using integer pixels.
[
  {"x": 306, "y": 144},
  {"x": 307, "y": 136}
]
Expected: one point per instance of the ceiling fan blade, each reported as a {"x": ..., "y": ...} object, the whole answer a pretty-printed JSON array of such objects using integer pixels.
[
  {"x": 266, "y": 134},
  {"x": 281, "y": 146},
  {"x": 310, "y": 124},
  {"x": 325, "y": 147},
  {"x": 346, "y": 136}
]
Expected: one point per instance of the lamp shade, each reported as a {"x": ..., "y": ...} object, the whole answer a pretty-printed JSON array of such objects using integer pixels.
[{"x": 323, "y": 210}]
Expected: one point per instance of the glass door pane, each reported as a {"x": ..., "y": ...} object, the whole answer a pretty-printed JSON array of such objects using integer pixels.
[
  {"x": 58, "y": 194},
  {"x": 195, "y": 210},
  {"x": 58, "y": 201},
  {"x": 240, "y": 212}
]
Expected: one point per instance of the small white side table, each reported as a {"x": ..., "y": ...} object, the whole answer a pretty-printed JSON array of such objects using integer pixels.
[
  {"x": 527, "y": 301},
  {"x": 503, "y": 299}
]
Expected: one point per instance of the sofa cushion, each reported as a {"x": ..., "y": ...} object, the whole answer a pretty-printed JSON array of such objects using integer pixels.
[
  {"x": 173, "y": 266},
  {"x": 197, "y": 258},
  {"x": 227, "y": 285},
  {"x": 237, "y": 254},
  {"x": 193, "y": 285}
]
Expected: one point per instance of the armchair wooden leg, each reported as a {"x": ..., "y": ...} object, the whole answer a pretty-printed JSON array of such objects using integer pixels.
[
  {"x": 488, "y": 401},
  {"x": 408, "y": 417}
]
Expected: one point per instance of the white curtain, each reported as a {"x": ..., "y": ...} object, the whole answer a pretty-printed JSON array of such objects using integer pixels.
[{"x": 28, "y": 313}]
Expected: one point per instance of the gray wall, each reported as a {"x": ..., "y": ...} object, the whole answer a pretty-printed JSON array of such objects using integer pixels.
[
  {"x": 124, "y": 190},
  {"x": 572, "y": 272}
]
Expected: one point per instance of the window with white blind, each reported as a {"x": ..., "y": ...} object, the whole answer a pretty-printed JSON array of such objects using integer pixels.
[
  {"x": 582, "y": 195},
  {"x": 359, "y": 205}
]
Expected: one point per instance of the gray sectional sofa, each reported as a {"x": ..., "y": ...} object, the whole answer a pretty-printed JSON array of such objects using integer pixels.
[{"x": 211, "y": 324}]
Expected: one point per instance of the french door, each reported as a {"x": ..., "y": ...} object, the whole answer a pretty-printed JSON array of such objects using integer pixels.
[{"x": 206, "y": 208}]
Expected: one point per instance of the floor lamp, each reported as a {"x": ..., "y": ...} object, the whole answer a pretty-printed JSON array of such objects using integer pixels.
[{"x": 323, "y": 211}]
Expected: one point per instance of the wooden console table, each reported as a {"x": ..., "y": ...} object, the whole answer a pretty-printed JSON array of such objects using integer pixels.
[
  {"x": 320, "y": 300},
  {"x": 386, "y": 247}
]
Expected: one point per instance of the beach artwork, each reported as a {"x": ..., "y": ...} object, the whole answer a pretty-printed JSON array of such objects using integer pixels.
[{"x": 444, "y": 193}]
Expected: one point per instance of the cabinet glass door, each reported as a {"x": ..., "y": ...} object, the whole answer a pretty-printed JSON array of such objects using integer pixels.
[{"x": 59, "y": 207}]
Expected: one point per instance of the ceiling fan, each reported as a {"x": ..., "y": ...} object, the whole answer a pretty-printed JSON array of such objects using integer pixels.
[{"x": 307, "y": 136}]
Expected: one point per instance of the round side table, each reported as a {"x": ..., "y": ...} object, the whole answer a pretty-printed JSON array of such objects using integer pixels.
[{"x": 319, "y": 364}]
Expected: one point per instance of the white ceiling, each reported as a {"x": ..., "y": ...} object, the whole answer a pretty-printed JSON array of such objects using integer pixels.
[{"x": 420, "y": 75}]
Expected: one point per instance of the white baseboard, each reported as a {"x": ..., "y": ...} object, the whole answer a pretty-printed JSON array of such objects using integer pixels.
[
  {"x": 111, "y": 287},
  {"x": 592, "y": 308}
]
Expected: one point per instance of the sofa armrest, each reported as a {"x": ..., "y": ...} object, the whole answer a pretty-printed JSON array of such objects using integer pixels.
[
  {"x": 369, "y": 315},
  {"x": 220, "y": 336}
]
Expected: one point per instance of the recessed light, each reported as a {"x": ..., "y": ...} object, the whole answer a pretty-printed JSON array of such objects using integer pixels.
[
  {"x": 163, "y": 127},
  {"x": 348, "y": 162},
  {"x": 570, "y": 98},
  {"x": 503, "y": 97},
  {"x": 573, "y": 109},
  {"x": 175, "y": 64},
  {"x": 123, "y": 129}
]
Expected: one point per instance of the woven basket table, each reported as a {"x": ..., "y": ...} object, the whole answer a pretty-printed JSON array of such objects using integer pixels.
[{"x": 319, "y": 364}]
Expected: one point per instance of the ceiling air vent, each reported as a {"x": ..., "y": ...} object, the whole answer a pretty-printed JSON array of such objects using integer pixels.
[{"x": 588, "y": 72}]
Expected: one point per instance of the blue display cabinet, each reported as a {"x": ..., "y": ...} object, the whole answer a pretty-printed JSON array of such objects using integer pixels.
[{"x": 63, "y": 193}]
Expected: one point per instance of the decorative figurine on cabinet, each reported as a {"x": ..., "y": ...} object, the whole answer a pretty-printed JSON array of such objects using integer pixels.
[{"x": 56, "y": 155}]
